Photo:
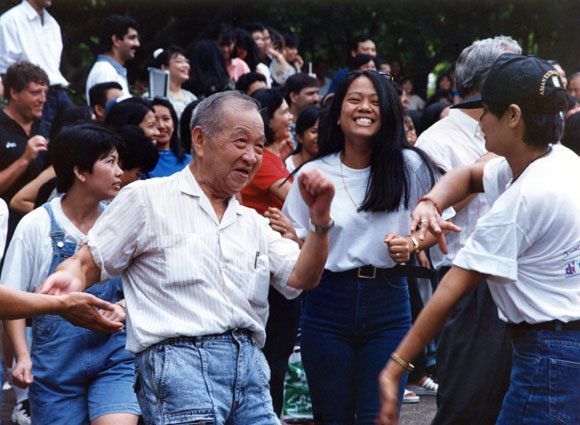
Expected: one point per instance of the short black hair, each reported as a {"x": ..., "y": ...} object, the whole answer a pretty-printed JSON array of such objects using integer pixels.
[
  {"x": 184, "y": 123},
  {"x": 270, "y": 100},
  {"x": 115, "y": 25},
  {"x": 222, "y": 33},
  {"x": 542, "y": 128},
  {"x": 79, "y": 146},
  {"x": 296, "y": 83},
  {"x": 361, "y": 59},
  {"x": 306, "y": 119},
  {"x": 98, "y": 93},
  {"x": 246, "y": 80},
  {"x": 20, "y": 74},
  {"x": 166, "y": 54},
  {"x": 136, "y": 150},
  {"x": 361, "y": 38},
  {"x": 129, "y": 111},
  {"x": 254, "y": 27},
  {"x": 290, "y": 40}
]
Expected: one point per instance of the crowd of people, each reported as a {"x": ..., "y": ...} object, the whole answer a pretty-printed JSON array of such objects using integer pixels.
[{"x": 200, "y": 235}]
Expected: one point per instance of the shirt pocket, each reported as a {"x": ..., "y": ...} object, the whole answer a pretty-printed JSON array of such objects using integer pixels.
[
  {"x": 180, "y": 260},
  {"x": 260, "y": 281}
]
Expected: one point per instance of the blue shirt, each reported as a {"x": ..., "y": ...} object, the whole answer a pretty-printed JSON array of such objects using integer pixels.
[{"x": 168, "y": 164}]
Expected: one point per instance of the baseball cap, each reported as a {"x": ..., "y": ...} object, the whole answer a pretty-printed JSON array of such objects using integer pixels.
[{"x": 522, "y": 80}]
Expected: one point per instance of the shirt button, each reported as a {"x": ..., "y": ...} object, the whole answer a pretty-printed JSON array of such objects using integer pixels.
[{"x": 60, "y": 244}]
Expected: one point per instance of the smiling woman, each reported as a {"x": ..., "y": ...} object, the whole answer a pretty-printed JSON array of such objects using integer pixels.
[{"x": 360, "y": 311}]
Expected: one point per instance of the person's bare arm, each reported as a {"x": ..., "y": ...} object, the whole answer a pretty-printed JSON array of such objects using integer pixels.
[
  {"x": 280, "y": 189},
  {"x": 22, "y": 371},
  {"x": 75, "y": 274},
  {"x": 456, "y": 284},
  {"x": 453, "y": 187},
  {"x": 10, "y": 174},
  {"x": 78, "y": 308},
  {"x": 317, "y": 192},
  {"x": 24, "y": 200}
]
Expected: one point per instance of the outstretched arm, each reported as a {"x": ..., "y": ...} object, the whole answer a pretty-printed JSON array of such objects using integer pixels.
[
  {"x": 453, "y": 187},
  {"x": 456, "y": 284},
  {"x": 75, "y": 274},
  {"x": 78, "y": 308}
]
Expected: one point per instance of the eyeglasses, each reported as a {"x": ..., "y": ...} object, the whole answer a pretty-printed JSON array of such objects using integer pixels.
[
  {"x": 387, "y": 75},
  {"x": 180, "y": 61}
]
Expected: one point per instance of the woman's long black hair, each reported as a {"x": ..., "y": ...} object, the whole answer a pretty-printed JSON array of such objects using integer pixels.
[
  {"x": 389, "y": 181},
  {"x": 174, "y": 143},
  {"x": 208, "y": 73}
]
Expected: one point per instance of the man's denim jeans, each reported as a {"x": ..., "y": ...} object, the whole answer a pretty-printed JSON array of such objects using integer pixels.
[
  {"x": 545, "y": 379},
  {"x": 216, "y": 379}
]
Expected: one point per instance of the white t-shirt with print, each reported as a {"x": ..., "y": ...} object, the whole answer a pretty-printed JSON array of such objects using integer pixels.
[{"x": 529, "y": 242}]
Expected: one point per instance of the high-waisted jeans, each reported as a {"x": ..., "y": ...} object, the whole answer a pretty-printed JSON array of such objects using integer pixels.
[{"x": 350, "y": 327}]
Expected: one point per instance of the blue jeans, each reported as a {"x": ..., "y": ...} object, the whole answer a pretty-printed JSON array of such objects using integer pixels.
[
  {"x": 545, "y": 379},
  {"x": 214, "y": 379},
  {"x": 350, "y": 327}
]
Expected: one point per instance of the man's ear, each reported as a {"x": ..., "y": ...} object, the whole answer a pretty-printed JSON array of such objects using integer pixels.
[
  {"x": 100, "y": 112},
  {"x": 116, "y": 41},
  {"x": 514, "y": 115},
  {"x": 198, "y": 141},
  {"x": 353, "y": 53},
  {"x": 293, "y": 97},
  {"x": 80, "y": 175}
]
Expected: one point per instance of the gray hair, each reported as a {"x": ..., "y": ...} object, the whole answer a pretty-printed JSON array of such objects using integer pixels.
[
  {"x": 209, "y": 113},
  {"x": 475, "y": 61}
]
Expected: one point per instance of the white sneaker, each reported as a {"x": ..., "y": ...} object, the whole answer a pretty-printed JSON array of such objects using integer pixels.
[
  {"x": 21, "y": 413},
  {"x": 410, "y": 397}
]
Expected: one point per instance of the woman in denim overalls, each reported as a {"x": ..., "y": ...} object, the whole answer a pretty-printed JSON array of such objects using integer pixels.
[{"x": 76, "y": 376}]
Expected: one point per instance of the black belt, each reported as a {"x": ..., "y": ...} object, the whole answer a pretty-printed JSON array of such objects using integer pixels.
[
  {"x": 370, "y": 272},
  {"x": 554, "y": 325}
]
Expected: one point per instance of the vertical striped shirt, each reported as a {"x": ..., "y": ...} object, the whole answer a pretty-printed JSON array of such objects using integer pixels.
[{"x": 184, "y": 272}]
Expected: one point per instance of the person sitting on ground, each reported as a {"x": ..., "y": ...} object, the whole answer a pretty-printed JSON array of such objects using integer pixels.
[
  {"x": 98, "y": 386},
  {"x": 173, "y": 60}
]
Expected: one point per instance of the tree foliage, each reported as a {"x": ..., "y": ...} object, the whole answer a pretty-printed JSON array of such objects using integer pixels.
[{"x": 420, "y": 33}]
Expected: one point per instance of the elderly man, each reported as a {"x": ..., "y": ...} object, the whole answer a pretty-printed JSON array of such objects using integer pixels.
[
  {"x": 474, "y": 351},
  {"x": 196, "y": 269}
]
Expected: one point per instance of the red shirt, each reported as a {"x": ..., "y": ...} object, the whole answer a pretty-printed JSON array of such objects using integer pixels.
[{"x": 256, "y": 195}]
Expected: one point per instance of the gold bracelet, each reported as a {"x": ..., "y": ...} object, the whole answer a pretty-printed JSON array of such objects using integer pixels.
[
  {"x": 407, "y": 366},
  {"x": 416, "y": 246}
]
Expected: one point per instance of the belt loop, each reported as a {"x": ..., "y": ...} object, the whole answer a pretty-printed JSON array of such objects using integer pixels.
[{"x": 558, "y": 327}]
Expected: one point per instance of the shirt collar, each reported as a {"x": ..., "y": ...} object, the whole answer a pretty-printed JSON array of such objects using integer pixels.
[
  {"x": 465, "y": 121},
  {"x": 118, "y": 67},
  {"x": 188, "y": 185},
  {"x": 31, "y": 14}
]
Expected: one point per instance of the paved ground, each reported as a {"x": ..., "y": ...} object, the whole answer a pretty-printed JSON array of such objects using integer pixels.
[{"x": 411, "y": 414}]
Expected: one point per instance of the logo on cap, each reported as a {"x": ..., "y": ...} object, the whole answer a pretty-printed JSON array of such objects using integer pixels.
[{"x": 547, "y": 75}]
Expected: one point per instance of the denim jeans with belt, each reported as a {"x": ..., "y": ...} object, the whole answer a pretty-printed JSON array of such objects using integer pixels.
[
  {"x": 215, "y": 379},
  {"x": 79, "y": 375},
  {"x": 350, "y": 327},
  {"x": 545, "y": 379}
]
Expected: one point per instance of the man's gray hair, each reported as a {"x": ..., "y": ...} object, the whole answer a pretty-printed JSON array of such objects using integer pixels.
[
  {"x": 209, "y": 113},
  {"x": 475, "y": 61}
]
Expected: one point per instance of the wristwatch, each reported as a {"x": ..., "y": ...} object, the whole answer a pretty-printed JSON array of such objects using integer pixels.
[{"x": 322, "y": 229}]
